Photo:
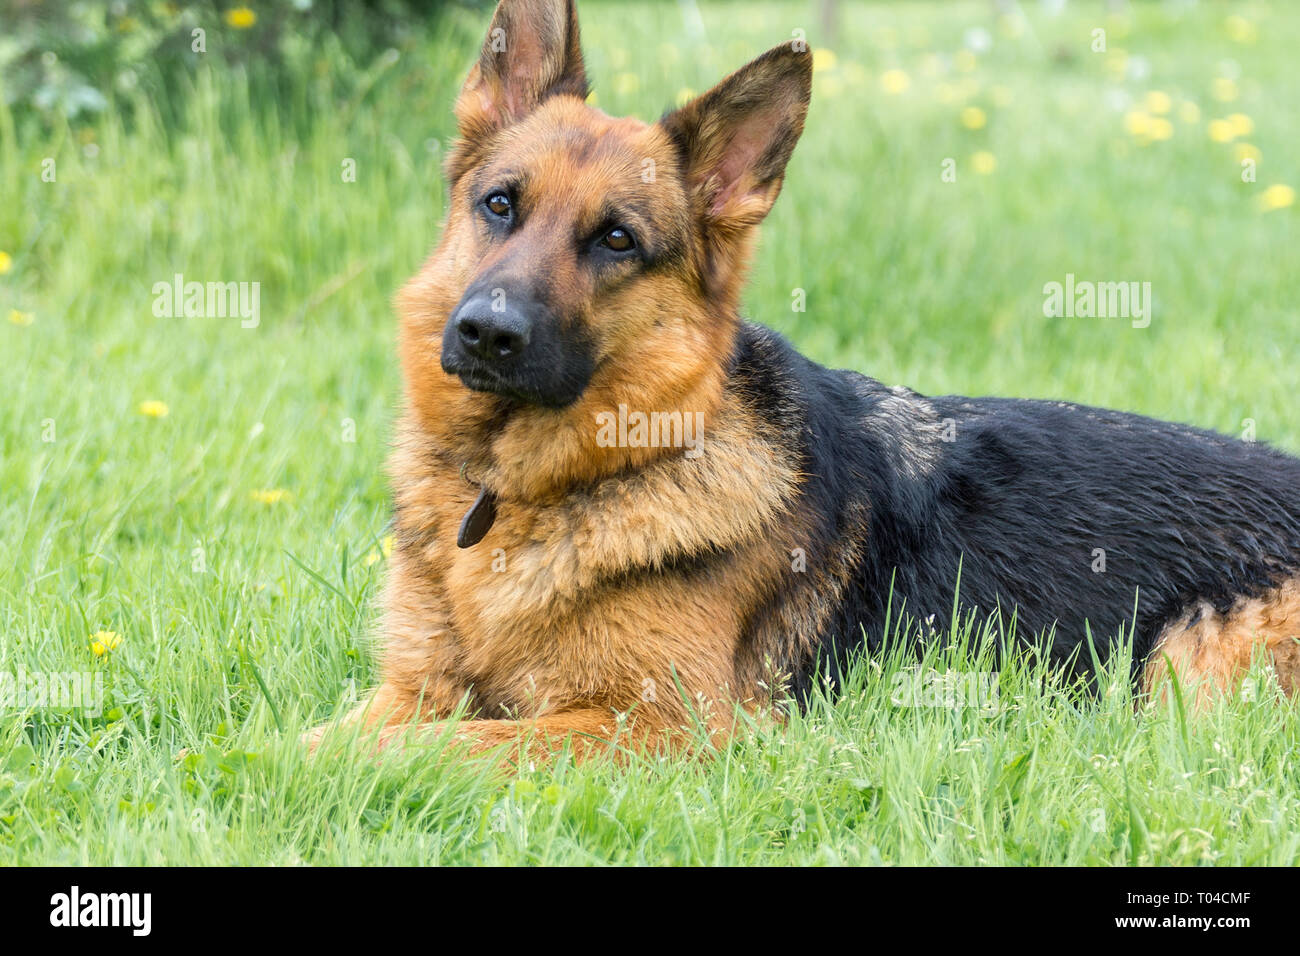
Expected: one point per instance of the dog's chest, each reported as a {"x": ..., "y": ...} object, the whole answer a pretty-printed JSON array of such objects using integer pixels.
[{"x": 572, "y": 605}]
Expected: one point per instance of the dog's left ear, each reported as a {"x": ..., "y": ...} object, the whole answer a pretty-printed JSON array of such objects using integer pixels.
[
  {"x": 531, "y": 52},
  {"x": 736, "y": 139}
]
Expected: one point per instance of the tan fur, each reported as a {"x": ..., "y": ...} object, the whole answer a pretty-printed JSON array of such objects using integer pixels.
[
  {"x": 1211, "y": 656},
  {"x": 572, "y": 611}
]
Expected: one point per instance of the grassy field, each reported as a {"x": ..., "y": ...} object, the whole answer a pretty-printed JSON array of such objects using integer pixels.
[{"x": 213, "y": 495}]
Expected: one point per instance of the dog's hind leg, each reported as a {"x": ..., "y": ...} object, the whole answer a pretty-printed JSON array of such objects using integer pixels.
[{"x": 1210, "y": 652}]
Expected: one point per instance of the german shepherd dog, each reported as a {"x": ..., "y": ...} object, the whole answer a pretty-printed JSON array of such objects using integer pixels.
[{"x": 622, "y": 511}]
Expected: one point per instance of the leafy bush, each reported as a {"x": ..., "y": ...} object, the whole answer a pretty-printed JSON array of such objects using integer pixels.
[{"x": 75, "y": 57}]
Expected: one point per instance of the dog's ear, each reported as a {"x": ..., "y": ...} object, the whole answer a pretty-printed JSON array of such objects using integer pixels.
[
  {"x": 531, "y": 52},
  {"x": 736, "y": 139}
]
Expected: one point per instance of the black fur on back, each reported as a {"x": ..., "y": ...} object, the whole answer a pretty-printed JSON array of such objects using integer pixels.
[{"x": 1019, "y": 499}]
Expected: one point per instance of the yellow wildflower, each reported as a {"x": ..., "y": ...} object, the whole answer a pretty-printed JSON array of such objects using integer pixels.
[
  {"x": 894, "y": 81},
  {"x": 1242, "y": 125},
  {"x": 241, "y": 18},
  {"x": 1220, "y": 131},
  {"x": 1223, "y": 89},
  {"x": 626, "y": 84},
  {"x": 983, "y": 162},
  {"x": 1137, "y": 122},
  {"x": 385, "y": 550},
  {"x": 101, "y": 642},
  {"x": 1276, "y": 197},
  {"x": 824, "y": 59},
  {"x": 1240, "y": 29},
  {"x": 6, "y": 262},
  {"x": 21, "y": 318},
  {"x": 1245, "y": 151},
  {"x": 1158, "y": 102},
  {"x": 271, "y": 496},
  {"x": 154, "y": 408},
  {"x": 972, "y": 117}
]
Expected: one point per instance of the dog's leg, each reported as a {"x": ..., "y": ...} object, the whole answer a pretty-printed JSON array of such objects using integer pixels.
[
  {"x": 588, "y": 732},
  {"x": 1210, "y": 652},
  {"x": 419, "y": 661},
  {"x": 388, "y": 706}
]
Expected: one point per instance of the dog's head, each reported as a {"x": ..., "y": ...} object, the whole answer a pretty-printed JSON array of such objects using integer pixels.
[{"x": 584, "y": 253}]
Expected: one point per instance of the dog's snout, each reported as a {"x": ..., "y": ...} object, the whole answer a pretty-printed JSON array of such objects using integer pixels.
[
  {"x": 506, "y": 339},
  {"x": 492, "y": 334}
]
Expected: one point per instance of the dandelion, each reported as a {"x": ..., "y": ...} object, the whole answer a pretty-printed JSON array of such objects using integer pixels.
[
  {"x": 1245, "y": 151},
  {"x": 1220, "y": 131},
  {"x": 972, "y": 117},
  {"x": 385, "y": 550},
  {"x": 154, "y": 408},
  {"x": 684, "y": 96},
  {"x": 626, "y": 84},
  {"x": 1137, "y": 123},
  {"x": 824, "y": 59},
  {"x": 984, "y": 162},
  {"x": 6, "y": 262},
  {"x": 241, "y": 18},
  {"x": 21, "y": 318},
  {"x": 894, "y": 81},
  {"x": 1161, "y": 128},
  {"x": 270, "y": 496},
  {"x": 1242, "y": 125},
  {"x": 1189, "y": 112},
  {"x": 1223, "y": 89},
  {"x": 1158, "y": 102},
  {"x": 1276, "y": 197},
  {"x": 1239, "y": 29},
  {"x": 101, "y": 642}
]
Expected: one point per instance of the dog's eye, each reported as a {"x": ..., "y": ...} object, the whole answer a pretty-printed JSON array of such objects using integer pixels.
[
  {"x": 618, "y": 239},
  {"x": 498, "y": 204}
]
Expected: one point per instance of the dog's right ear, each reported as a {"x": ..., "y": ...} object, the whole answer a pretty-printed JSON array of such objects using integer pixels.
[{"x": 531, "y": 52}]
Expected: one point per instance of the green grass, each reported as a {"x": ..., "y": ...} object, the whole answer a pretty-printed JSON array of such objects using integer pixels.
[{"x": 244, "y": 622}]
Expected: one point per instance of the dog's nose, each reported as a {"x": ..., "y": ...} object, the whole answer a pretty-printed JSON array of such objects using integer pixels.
[{"x": 491, "y": 334}]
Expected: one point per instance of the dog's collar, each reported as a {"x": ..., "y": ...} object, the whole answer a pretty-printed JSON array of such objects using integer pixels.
[{"x": 478, "y": 520}]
